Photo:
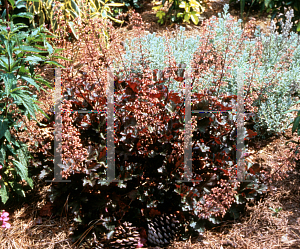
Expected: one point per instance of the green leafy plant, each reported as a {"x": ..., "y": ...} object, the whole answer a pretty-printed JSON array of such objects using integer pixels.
[
  {"x": 160, "y": 14},
  {"x": 102, "y": 9},
  {"x": 275, "y": 210},
  {"x": 295, "y": 128},
  {"x": 46, "y": 11},
  {"x": 17, "y": 10},
  {"x": 274, "y": 7},
  {"x": 191, "y": 10},
  {"x": 19, "y": 56}
]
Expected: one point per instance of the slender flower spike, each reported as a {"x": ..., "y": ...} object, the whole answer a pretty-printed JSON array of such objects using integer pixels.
[{"x": 8, "y": 28}]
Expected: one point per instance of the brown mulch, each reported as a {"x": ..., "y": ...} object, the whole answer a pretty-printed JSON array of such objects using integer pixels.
[{"x": 214, "y": 6}]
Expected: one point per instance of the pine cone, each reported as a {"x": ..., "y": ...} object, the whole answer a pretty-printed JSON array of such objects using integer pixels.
[
  {"x": 125, "y": 236},
  {"x": 91, "y": 243},
  {"x": 162, "y": 230}
]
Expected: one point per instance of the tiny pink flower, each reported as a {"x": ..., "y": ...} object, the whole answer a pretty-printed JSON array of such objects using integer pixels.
[
  {"x": 6, "y": 225},
  {"x": 5, "y": 214},
  {"x": 4, "y": 218},
  {"x": 140, "y": 245}
]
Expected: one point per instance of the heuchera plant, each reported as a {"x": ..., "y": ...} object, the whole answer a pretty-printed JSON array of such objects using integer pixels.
[{"x": 149, "y": 136}]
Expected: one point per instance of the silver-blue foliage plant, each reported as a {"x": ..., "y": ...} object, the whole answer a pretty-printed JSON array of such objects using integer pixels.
[{"x": 275, "y": 73}]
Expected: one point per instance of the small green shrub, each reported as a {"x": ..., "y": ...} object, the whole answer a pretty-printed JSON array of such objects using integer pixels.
[{"x": 191, "y": 9}]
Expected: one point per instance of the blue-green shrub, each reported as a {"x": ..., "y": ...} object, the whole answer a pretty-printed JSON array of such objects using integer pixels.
[
  {"x": 153, "y": 50},
  {"x": 270, "y": 70}
]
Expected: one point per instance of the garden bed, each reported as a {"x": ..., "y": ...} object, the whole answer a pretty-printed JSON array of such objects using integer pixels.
[{"x": 271, "y": 222}]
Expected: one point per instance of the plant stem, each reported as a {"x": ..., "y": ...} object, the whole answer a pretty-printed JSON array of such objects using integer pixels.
[{"x": 6, "y": 7}]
